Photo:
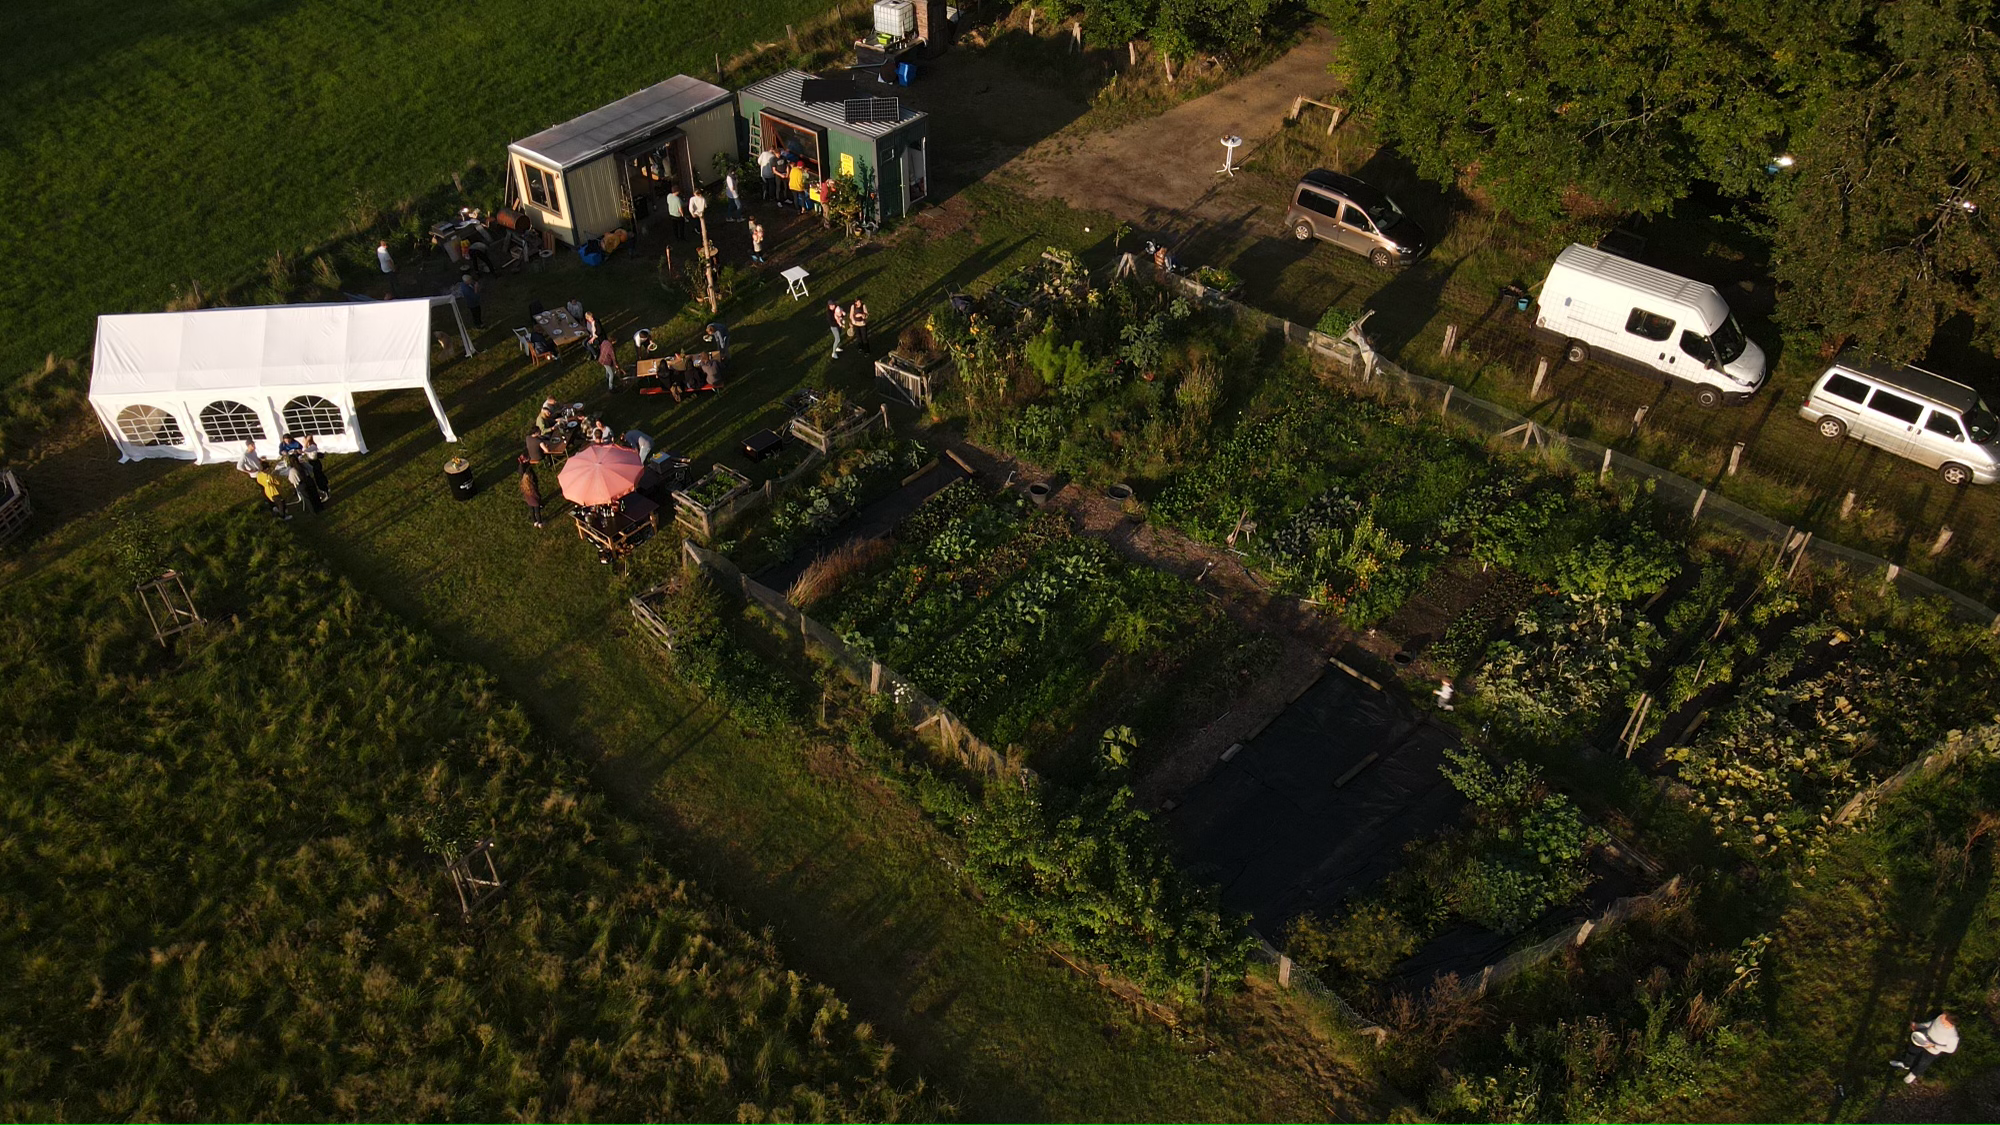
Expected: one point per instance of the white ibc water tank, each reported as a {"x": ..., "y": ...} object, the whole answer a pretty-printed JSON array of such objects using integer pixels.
[{"x": 896, "y": 17}]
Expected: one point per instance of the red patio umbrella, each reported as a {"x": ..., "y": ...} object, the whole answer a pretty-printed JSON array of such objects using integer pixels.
[{"x": 600, "y": 474}]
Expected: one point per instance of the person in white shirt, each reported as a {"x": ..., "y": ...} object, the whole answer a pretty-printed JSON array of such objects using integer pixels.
[
  {"x": 643, "y": 340},
  {"x": 767, "y": 173},
  {"x": 697, "y": 205},
  {"x": 735, "y": 201},
  {"x": 387, "y": 263},
  {"x": 250, "y": 464},
  {"x": 1928, "y": 1040}
]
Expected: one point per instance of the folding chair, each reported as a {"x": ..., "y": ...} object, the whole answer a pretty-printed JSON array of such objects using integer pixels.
[{"x": 521, "y": 335}]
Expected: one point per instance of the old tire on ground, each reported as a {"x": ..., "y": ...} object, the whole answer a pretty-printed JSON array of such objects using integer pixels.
[
  {"x": 1708, "y": 397},
  {"x": 1832, "y": 428},
  {"x": 1955, "y": 473},
  {"x": 1577, "y": 352},
  {"x": 1381, "y": 259},
  {"x": 1302, "y": 230}
]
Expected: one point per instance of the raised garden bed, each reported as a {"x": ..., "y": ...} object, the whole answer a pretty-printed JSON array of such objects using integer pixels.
[
  {"x": 914, "y": 380},
  {"x": 709, "y": 504},
  {"x": 837, "y": 427}
]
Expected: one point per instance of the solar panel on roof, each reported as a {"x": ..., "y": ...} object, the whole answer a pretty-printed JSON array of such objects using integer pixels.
[
  {"x": 827, "y": 90},
  {"x": 874, "y": 111}
]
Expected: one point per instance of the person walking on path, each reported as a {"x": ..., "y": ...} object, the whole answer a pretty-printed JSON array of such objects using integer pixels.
[
  {"x": 388, "y": 264},
  {"x": 677, "y": 211},
  {"x": 1928, "y": 1040},
  {"x": 531, "y": 490},
  {"x": 274, "y": 499},
  {"x": 857, "y": 326},
  {"x": 607, "y": 357},
  {"x": 766, "y": 175},
  {"x": 310, "y": 456},
  {"x": 756, "y": 241},
  {"x": 729, "y": 192},
  {"x": 836, "y": 319},
  {"x": 467, "y": 294}
]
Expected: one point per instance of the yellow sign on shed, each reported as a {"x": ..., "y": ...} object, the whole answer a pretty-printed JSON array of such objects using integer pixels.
[{"x": 847, "y": 164}]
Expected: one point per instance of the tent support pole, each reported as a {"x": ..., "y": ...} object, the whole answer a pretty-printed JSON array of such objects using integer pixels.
[
  {"x": 437, "y": 408},
  {"x": 458, "y": 313}
]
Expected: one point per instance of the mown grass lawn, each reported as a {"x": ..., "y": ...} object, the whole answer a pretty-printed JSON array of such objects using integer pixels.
[{"x": 152, "y": 143}]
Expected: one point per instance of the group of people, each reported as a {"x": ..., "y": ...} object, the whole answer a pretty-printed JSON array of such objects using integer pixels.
[
  {"x": 298, "y": 464},
  {"x": 849, "y": 322},
  {"x": 789, "y": 181},
  {"x": 681, "y": 373}
]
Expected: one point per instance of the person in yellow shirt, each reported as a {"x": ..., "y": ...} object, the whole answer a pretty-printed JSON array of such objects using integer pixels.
[
  {"x": 797, "y": 182},
  {"x": 274, "y": 497}
]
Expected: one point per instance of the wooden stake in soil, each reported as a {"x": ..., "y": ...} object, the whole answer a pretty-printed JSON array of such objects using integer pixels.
[
  {"x": 1541, "y": 373},
  {"x": 1639, "y": 418},
  {"x": 1604, "y": 470},
  {"x": 1943, "y": 541},
  {"x": 1698, "y": 502},
  {"x": 1450, "y": 339},
  {"x": 1735, "y": 458},
  {"x": 1847, "y": 505}
]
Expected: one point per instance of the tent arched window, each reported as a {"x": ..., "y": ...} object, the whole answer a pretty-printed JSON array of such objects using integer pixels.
[
  {"x": 311, "y": 414},
  {"x": 150, "y": 425},
  {"x": 227, "y": 421}
]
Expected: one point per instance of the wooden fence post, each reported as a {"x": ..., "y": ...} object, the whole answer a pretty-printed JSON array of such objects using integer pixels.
[
  {"x": 1450, "y": 339},
  {"x": 1639, "y": 418},
  {"x": 875, "y": 677},
  {"x": 1698, "y": 502},
  {"x": 1284, "y": 971},
  {"x": 1735, "y": 458},
  {"x": 793, "y": 36},
  {"x": 1445, "y": 408},
  {"x": 1541, "y": 373},
  {"x": 1847, "y": 505},
  {"x": 1943, "y": 541},
  {"x": 1604, "y": 470}
]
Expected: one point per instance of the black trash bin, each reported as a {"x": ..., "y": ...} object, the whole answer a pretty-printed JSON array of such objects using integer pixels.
[{"x": 458, "y": 474}]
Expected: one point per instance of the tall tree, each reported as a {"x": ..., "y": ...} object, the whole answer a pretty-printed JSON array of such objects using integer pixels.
[
  {"x": 1885, "y": 230},
  {"x": 1887, "y": 110}
]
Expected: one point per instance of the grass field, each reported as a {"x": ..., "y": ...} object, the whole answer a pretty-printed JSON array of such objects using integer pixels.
[
  {"x": 163, "y": 142},
  {"x": 226, "y": 899}
]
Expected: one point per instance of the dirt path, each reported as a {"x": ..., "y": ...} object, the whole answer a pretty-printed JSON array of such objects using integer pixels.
[{"x": 1150, "y": 171}]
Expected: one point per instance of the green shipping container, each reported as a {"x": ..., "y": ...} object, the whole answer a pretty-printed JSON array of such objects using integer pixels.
[{"x": 885, "y": 149}]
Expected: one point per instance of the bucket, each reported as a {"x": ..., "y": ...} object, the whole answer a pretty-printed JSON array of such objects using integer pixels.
[
  {"x": 1122, "y": 495},
  {"x": 1039, "y": 493},
  {"x": 458, "y": 475}
]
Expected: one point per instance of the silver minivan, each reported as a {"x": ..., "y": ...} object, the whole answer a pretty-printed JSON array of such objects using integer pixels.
[
  {"x": 1352, "y": 215},
  {"x": 1934, "y": 421}
]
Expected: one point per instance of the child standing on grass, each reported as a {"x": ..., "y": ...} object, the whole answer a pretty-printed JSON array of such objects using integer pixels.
[
  {"x": 756, "y": 241},
  {"x": 531, "y": 490}
]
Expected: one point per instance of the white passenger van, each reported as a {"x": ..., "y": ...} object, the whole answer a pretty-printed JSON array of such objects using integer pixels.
[
  {"x": 1648, "y": 320},
  {"x": 1938, "y": 423}
]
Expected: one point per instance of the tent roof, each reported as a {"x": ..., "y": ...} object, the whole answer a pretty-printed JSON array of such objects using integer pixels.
[
  {"x": 367, "y": 345},
  {"x": 786, "y": 94},
  {"x": 607, "y": 128}
]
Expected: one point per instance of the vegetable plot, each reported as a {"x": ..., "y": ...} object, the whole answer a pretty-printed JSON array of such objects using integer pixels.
[{"x": 1023, "y": 628}]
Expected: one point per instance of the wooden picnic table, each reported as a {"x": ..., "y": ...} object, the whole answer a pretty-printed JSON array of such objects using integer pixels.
[
  {"x": 637, "y": 518},
  {"x": 559, "y": 327}
]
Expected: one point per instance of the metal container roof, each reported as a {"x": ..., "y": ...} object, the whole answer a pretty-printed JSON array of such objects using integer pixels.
[
  {"x": 609, "y": 128},
  {"x": 782, "y": 93}
]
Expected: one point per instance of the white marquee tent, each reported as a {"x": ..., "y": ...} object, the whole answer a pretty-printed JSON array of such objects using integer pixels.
[{"x": 197, "y": 385}]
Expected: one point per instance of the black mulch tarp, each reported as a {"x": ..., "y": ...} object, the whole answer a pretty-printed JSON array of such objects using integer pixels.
[{"x": 1272, "y": 829}]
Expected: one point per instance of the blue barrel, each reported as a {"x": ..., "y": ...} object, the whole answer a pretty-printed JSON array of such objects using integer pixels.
[{"x": 905, "y": 72}]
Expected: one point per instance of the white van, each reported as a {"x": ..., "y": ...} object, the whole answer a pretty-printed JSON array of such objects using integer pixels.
[
  {"x": 1938, "y": 423},
  {"x": 1598, "y": 304}
]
